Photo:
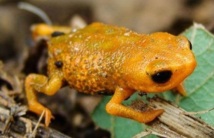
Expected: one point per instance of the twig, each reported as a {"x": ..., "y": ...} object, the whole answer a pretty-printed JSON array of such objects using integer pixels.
[
  {"x": 177, "y": 123},
  {"x": 18, "y": 127},
  {"x": 33, "y": 134},
  {"x": 35, "y": 10}
]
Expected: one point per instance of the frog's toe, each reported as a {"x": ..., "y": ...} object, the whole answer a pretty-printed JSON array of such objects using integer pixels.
[
  {"x": 48, "y": 117},
  {"x": 147, "y": 116},
  {"x": 37, "y": 108},
  {"x": 154, "y": 114},
  {"x": 151, "y": 115}
]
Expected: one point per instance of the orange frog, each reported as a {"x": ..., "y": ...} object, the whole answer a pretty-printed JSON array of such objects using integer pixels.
[{"x": 114, "y": 60}]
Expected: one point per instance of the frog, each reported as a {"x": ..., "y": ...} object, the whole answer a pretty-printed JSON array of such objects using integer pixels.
[{"x": 113, "y": 60}]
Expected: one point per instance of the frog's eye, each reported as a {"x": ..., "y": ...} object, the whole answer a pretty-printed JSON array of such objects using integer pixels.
[
  {"x": 190, "y": 45},
  {"x": 58, "y": 64},
  {"x": 57, "y": 33},
  {"x": 162, "y": 76}
]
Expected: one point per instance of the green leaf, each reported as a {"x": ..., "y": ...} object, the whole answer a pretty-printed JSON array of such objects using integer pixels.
[{"x": 199, "y": 86}]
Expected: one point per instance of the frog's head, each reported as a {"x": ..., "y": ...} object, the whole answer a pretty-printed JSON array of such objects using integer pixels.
[{"x": 164, "y": 62}]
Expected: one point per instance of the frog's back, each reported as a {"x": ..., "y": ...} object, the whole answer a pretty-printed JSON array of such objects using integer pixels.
[
  {"x": 101, "y": 37},
  {"x": 97, "y": 37},
  {"x": 92, "y": 56}
]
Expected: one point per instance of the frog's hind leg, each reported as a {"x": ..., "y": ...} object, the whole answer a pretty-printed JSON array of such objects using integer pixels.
[
  {"x": 40, "y": 83},
  {"x": 115, "y": 107}
]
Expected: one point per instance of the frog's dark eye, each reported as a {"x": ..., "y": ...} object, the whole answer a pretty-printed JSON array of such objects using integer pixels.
[
  {"x": 57, "y": 33},
  {"x": 58, "y": 64},
  {"x": 162, "y": 76},
  {"x": 190, "y": 45}
]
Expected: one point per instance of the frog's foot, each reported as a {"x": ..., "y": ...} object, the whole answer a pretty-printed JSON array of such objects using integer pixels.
[
  {"x": 143, "y": 117},
  {"x": 147, "y": 116},
  {"x": 180, "y": 89},
  {"x": 37, "y": 108},
  {"x": 115, "y": 107}
]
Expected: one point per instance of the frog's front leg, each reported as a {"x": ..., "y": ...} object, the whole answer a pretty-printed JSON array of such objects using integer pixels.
[
  {"x": 115, "y": 107},
  {"x": 40, "y": 83},
  {"x": 180, "y": 89}
]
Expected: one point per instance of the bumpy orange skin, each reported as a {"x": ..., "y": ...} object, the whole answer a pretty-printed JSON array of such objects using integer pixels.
[{"x": 116, "y": 60}]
